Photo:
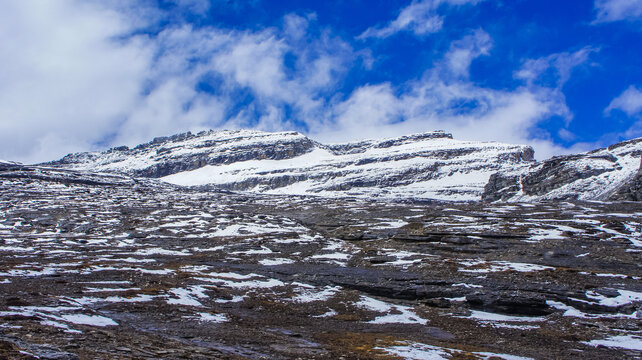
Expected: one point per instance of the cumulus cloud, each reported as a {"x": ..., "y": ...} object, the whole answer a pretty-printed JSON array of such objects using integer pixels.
[
  {"x": 78, "y": 76},
  {"x": 74, "y": 77},
  {"x": 554, "y": 69},
  {"x": 62, "y": 68},
  {"x": 463, "y": 52},
  {"x": 616, "y": 10},
  {"x": 630, "y": 102},
  {"x": 550, "y": 73},
  {"x": 420, "y": 17},
  {"x": 444, "y": 98}
]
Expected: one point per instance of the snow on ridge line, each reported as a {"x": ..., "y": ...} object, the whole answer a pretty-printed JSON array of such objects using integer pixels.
[
  {"x": 613, "y": 167},
  {"x": 227, "y": 138},
  {"x": 160, "y": 149},
  {"x": 427, "y": 135},
  {"x": 427, "y": 165},
  {"x": 381, "y": 170}
]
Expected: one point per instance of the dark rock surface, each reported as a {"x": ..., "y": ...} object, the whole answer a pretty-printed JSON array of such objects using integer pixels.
[
  {"x": 631, "y": 190},
  {"x": 108, "y": 267}
]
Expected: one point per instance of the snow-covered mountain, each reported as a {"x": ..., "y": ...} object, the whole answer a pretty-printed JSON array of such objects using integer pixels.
[
  {"x": 430, "y": 165},
  {"x": 612, "y": 173},
  {"x": 5, "y": 162}
]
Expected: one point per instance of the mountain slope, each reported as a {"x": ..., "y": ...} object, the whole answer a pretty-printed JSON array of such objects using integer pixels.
[
  {"x": 182, "y": 152},
  {"x": 430, "y": 165},
  {"x": 611, "y": 173},
  {"x": 8, "y": 163}
]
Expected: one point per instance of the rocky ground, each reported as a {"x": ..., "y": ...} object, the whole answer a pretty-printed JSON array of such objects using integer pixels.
[{"x": 106, "y": 267}]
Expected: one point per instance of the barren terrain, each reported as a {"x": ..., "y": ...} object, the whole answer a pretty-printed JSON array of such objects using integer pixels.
[{"x": 107, "y": 267}]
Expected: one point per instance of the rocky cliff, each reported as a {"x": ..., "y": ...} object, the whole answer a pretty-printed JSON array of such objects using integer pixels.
[
  {"x": 611, "y": 173},
  {"x": 430, "y": 165},
  {"x": 183, "y": 152}
]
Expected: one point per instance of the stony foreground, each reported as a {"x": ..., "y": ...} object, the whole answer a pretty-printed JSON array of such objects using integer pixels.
[{"x": 98, "y": 267}]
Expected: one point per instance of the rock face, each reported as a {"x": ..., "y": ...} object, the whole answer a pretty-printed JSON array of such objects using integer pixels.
[
  {"x": 8, "y": 164},
  {"x": 611, "y": 173},
  {"x": 631, "y": 190},
  {"x": 64, "y": 176},
  {"x": 183, "y": 152},
  {"x": 430, "y": 165}
]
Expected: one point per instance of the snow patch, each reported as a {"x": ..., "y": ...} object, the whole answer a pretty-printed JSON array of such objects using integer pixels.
[
  {"x": 401, "y": 315},
  {"x": 418, "y": 351},
  {"x": 213, "y": 318},
  {"x": 92, "y": 320},
  {"x": 306, "y": 296},
  {"x": 276, "y": 261},
  {"x": 631, "y": 342}
]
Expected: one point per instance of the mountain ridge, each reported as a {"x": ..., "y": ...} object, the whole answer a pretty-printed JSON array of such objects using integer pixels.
[
  {"x": 609, "y": 173},
  {"x": 429, "y": 165}
]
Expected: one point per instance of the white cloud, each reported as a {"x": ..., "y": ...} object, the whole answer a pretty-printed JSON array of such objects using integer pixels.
[
  {"x": 616, "y": 10},
  {"x": 550, "y": 73},
  {"x": 171, "y": 107},
  {"x": 630, "y": 102},
  {"x": 376, "y": 112},
  {"x": 463, "y": 52},
  {"x": 255, "y": 61},
  {"x": 444, "y": 98},
  {"x": 65, "y": 81},
  {"x": 430, "y": 104},
  {"x": 420, "y": 17},
  {"x": 368, "y": 108},
  {"x": 295, "y": 26},
  {"x": 74, "y": 78},
  {"x": 566, "y": 135},
  {"x": 561, "y": 65}
]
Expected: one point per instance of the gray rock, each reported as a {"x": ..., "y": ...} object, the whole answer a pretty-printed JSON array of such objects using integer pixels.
[
  {"x": 611, "y": 173},
  {"x": 430, "y": 165},
  {"x": 429, "y": 162}
]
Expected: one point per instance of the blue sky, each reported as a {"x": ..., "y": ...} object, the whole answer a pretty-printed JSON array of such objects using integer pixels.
[{"x": 563, "y": 76}]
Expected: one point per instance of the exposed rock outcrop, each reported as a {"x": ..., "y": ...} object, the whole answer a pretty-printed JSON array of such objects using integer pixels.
[
  {"x": 183, "y": 152},
  {"x": 430, "y": 165},
  {"x": 611, "y": 173},
  {"x": 631, "y": 190}
]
